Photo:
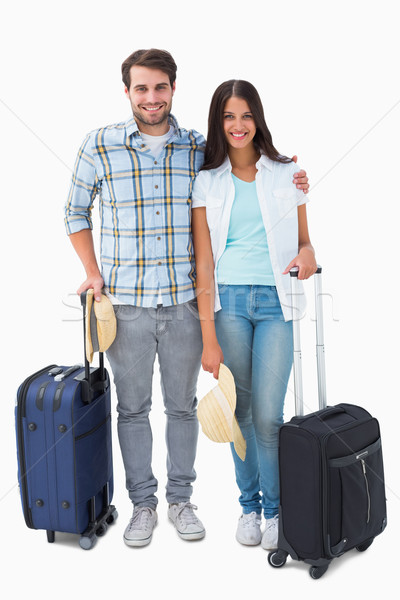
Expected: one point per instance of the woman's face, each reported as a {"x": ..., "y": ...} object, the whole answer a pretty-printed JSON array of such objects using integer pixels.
[{"x": 238, "y": 122}]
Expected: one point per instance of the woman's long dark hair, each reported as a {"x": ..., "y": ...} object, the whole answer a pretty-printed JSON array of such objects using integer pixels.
[{"x": 217, "y": 146}]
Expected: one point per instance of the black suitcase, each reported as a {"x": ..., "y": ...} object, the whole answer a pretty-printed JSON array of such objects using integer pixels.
[
  {"x": 64, "y": 450},
  {"x": 332, "y": 492}
]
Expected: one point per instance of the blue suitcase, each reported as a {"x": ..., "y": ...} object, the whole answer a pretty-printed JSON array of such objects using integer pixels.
[{"x": 64, "y": 450}]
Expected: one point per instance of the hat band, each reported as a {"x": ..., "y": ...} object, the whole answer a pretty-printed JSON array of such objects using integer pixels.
[{"x": 224, "y": 405}]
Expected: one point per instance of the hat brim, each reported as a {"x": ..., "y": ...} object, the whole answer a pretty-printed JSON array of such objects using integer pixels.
[{"x": 216, "y": 413}]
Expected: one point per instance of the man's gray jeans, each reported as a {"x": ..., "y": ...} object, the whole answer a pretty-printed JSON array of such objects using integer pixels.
[{"x": 174, "y": 333}]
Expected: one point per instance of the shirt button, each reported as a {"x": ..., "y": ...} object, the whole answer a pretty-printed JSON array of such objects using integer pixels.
[
  {"x": 142, "y": 146},
  {"x": 159, "y": 262},
  {"x": 155, "y": 162},
  {"x": 159, "y": 238},
  {"x": 158, "y": 212},
  {"x": 156, "y": 186}
]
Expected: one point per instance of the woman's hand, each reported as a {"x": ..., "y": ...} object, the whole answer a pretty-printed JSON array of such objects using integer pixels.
[
  {"x": 306, "y": 263},
  {"x": 211, "y": 358}
]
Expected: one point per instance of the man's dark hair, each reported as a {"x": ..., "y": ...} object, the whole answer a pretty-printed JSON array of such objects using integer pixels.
[{"x": 152, "y": 59}]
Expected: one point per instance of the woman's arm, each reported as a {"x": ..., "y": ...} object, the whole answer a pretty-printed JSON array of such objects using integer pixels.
[
  {"x": 212, "y": 353},
  {"x": 305, "y": 260}
]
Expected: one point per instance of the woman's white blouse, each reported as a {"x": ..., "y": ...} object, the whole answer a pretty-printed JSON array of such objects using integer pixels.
[{"x": 278, "y": 198}]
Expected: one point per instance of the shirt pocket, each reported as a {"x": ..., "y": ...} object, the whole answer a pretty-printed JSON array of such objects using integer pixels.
[
  {"x": 213, "y": 211},
  {"x": 286, "y": 201}
]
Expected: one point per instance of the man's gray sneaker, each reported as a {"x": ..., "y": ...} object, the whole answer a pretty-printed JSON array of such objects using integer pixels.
[
  {"x": 188, "y": 526},
  {"x": 140, "y": 528}
]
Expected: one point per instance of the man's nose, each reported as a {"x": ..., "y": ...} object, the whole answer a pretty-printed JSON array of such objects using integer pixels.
[{"x": 152, "y": 97}]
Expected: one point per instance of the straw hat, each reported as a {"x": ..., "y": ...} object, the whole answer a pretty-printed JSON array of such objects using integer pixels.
[
  {"x": 216, "y": 413},
  {"x": 101, "y": 324}
]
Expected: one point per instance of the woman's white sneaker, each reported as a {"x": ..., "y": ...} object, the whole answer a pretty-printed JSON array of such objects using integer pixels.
[
  {"x": 270, "y": 536},
  {"x": 249, "y": 529}
]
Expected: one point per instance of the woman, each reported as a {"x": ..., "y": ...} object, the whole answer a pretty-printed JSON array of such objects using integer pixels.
[{"x": 249, "y": 229}]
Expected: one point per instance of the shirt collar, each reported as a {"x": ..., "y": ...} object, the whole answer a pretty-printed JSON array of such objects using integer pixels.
[
  {"x": 132, "y": 128},
  {"x": 264, "y": 161}
]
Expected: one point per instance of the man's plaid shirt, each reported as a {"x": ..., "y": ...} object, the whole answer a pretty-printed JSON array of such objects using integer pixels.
[{"x": 145, "y": 210}]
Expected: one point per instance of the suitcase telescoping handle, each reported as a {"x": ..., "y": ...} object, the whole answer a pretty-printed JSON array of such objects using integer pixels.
[
  {"x": 91, "y": 385},
  {"x": 320, "y": 347}
]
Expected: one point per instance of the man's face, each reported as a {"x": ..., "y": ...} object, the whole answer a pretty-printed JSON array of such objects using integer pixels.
[{"x": 150, "y": 95}]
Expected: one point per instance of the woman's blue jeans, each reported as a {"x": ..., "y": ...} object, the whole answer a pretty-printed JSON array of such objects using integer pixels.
[{"x": 258, "y": 348}]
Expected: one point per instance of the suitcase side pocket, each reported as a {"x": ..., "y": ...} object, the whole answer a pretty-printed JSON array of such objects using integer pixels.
[{"x": 357, "y": 486}]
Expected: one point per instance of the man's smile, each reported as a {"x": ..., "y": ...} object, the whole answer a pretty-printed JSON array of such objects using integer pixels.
[{"x": 152, "y": 108}]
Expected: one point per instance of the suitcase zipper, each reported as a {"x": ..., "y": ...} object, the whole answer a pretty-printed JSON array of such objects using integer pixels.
[
  {"x": 325, "y": 479},
  {"x": 21, "y": 410},
  {"x": 367, "y": 489}
]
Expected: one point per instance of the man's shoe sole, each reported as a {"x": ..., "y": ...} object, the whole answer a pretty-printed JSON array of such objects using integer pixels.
[
  {"x": 138, "y": 543},
  {"x": 191, "y": 536}
]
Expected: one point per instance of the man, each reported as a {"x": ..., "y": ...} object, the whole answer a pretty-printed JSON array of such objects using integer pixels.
[{"x": 143, "y": 171}]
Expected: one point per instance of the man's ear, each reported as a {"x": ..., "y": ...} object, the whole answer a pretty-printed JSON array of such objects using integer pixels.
[
  {"x": 126, "y": 91},
  {"x": 173, "y": 87}
]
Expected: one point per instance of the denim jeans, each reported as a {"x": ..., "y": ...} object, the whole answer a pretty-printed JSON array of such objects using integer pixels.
[
  {"x": 172, "y": 332},
  {"x": 258, "y": 348}
]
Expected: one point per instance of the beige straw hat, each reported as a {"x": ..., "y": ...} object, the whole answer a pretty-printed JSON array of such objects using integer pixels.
[
  {"x": 216, "y": 413},
  {"x": 101, "y": 324}
]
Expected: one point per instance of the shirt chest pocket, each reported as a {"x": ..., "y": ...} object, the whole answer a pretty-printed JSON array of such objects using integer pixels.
[
  {"x": 213, "y": 211},
  {"x": 286, "y": 201}
]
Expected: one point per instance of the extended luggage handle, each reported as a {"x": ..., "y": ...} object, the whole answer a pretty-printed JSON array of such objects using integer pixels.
[
  {"x": 320, "y": 346},
  {"x": 98, "y": 382}
]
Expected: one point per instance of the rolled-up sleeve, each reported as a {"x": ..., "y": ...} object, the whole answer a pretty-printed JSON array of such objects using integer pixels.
[
  {"x": 199, "y": 190},
  {"x": 83, "y": 190},
  {"x": 301, "y": 197}
]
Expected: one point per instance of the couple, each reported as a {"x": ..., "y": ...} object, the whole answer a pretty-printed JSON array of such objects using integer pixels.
[{"x": 235, "y": 205}]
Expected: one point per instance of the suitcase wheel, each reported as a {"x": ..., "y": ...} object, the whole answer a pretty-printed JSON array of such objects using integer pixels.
[
  {"x": 87, "y": 541},
  {"x": 277, "y": 558},
  {"x": 112, "y": 517},
  {"x": 362, "y": 547},
  {"x": 102, "y": 529},
  {"x": 317, "y": 572}
]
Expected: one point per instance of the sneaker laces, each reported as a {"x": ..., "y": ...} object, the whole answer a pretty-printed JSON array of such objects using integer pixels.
[
  {"x": 248, "y": 519},
  {"x": 271, "y": 523},
  {"x": 140, "y": 518},
  {"x": 185, "y": 512}
]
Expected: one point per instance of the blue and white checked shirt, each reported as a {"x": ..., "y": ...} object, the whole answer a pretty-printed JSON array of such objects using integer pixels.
[{"x": 145, "y": 210}]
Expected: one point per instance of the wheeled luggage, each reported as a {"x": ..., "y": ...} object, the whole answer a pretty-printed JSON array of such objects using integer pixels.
[
  {"x": 63, "y": 430},
  {"x": 332, "y": 493}
]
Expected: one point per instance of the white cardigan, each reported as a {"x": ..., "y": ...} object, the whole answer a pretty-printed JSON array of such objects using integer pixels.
[{"x": 278, "y": 198}]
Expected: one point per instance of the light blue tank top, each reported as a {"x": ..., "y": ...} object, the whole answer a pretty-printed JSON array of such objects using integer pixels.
[{"x": 245, "y": 260}]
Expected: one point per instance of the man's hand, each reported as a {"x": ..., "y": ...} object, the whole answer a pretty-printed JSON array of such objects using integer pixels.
[
  {"x": 96, "y": 282},
  {"x": 300, "y": 178}
]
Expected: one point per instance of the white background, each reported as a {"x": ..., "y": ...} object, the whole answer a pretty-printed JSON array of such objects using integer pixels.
[{"x": 328, "y": 76}]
